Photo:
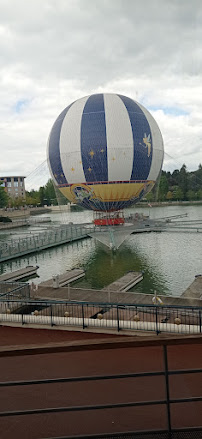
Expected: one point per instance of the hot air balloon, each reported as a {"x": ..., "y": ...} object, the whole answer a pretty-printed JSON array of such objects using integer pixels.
[{"x": 105, "y": 152}]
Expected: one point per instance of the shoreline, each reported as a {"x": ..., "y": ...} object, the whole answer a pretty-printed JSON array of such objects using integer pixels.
[{"x": 168, "y": 203}]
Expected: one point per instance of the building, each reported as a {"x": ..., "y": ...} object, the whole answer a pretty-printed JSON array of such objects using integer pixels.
[{"x": 14, "y": 186}]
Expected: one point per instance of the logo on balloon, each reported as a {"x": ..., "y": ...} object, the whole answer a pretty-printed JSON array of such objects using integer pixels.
[
  {"x": 147, "y": 143},
  {"x": 82, "y": 192}
]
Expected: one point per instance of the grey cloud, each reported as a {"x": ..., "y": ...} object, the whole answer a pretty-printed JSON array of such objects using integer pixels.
[
  {"x": 95, "y": 41},
  {"x": 55, "y": 51}
]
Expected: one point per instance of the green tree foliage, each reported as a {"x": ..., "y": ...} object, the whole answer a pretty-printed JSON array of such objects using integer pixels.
[
  {"x": 180, "y": 185},
  {"x": 150, "y": 196},
  {"x": 199, "y": 194},
  {"x": 183, "y": 181},
  {"x": 42, "y": 198},
  {"x": 163, "y": 187},
  {"x": 3, "y": 197},
  {"x": 178, "y": 194},
  {"x": 49, "y": 193},
  {"x": 191, "y": 195},
  {"x": 169, "y": 196}
]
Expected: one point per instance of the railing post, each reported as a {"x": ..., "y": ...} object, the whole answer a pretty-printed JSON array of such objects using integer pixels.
[
  {"x": 157, "y": 331},
  {"x": 83, "y": 316},
  {"x": 200, "y": 320},
  {"x": 117, "y": 309},
  {"x": 167, "y": 391},
  {"x": 22, "y": 318},
  {"x": 51, "y": 311}
]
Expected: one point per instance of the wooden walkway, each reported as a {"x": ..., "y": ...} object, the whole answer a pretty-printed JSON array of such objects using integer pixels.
[
  {"x": 101, "y": 296},
  {"x": 125, "y": 282},
  {"x": 53, "y": 237},
  {"x": 194, "y": 291},
  {"x": 19, "y": 274},
  {"x": 66, "y": 278}
]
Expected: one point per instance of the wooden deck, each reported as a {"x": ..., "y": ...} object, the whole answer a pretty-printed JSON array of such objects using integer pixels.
[
  {"x": 194, "y": 291},
  {"x": 66, "y": 278},
  {"x": 101, "y": 296},
  {"x": 125, "y": 282},
  {"x": 19, "y": 274}
]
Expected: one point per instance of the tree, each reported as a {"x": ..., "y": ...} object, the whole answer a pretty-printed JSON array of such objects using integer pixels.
[
  {"x": 32, "y": 198},
  {"x": 3, "y": 197},
  {"x": 175, "y": 178},
  {"x": 163, "y": 188},
  {"x": 42, "y": 197},
  {"x": 18, "y": 201},
  {"x": 183, "y": 180},
  {"x": 199, "y": 194},
  {"x": 49, "y": 193},
  {"x": 177, "y": 193},
  {"x": 150, "y": 196},
  {"x": 169, "y": 196},
  {"x": 191, "y": 195}
]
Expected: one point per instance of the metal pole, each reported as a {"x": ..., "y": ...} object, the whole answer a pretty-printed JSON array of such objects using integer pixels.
[
  {"x": 200, "y": 320},
  {"x": 117, "y": 309},
  {"x": 167, "y": 392},
  {"x": 51, "y": 315},
  {"x": 109, "y": 295},
  {"x": 83, "y": 316},
  {"x": 157, "y": 332},
  {"x": 68, "y": 291}
]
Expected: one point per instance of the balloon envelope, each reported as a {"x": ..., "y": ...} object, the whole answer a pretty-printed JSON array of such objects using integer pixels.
[{"x": 105, "y": 152}]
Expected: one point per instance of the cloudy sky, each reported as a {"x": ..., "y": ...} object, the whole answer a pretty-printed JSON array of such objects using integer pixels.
[{"x": 55, "y": 51}]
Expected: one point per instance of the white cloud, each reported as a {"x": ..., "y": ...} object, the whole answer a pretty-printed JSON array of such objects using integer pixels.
[{"x": 56, "y": 51}]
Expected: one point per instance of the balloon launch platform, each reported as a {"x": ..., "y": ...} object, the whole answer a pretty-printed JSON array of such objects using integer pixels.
[{"x": 111, "y": 237}]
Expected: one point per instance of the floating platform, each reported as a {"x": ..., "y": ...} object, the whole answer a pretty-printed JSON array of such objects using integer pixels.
[
  {"x": 194, "y": 291},
  {"x": 65, "y": 278},
  {"x": 19, "y": 274},
  {"x": 52, "y": 237},
  {"x": 13, "y": 225},
  {"x": 125, "y": 282}
]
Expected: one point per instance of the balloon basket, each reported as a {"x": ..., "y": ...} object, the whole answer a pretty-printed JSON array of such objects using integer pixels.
[{"x": 108, "y": 218}]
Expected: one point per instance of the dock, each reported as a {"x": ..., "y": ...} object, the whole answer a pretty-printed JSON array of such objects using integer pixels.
[
  {"x": 14, "y": 224},
  {"x": 19, "y": 274},
  {"x": 64, "y": 279},
  {"x": 52, "y": 237},
  {"x": 194, "y": 291},
  {"x": 100, "y": 296},
  {"x": 125, "y": 282}
]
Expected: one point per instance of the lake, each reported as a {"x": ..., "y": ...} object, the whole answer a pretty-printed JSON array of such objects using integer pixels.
[{"x": 169, "y": 260}]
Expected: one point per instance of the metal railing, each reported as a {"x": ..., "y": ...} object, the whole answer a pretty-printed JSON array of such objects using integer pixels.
[
  {"x": 119, "y": 317},
  {"x": 14, "y": 291},
  {"x": 46, "y": 239}
]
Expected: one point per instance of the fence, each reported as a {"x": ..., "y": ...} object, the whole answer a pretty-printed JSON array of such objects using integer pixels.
[
  {"x": 106, "y": 316},
  {"x": 50, "y": 238},
  {"x": 14, "y": 291}
]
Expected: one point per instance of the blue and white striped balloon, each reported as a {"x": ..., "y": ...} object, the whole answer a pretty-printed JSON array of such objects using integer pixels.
[{"x": 105, "y": 152}]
